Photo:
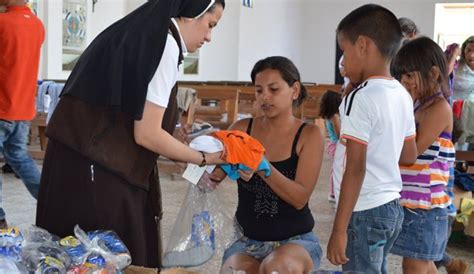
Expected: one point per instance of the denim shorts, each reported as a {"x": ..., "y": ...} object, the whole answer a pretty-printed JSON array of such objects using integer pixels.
[
  {"x": 424, "y": 234},
  {"x": 370, "y": 236},
  {"x": 259, "y": 249}
]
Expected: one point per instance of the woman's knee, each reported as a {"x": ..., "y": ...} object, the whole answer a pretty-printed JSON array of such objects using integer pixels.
[
  {"x": 240, "y": 262},
  {"x": 281, "y": 264}
]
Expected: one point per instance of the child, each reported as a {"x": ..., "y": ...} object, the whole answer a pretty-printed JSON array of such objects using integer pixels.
[
  {"x": 329, "y": 111},
  {"x": 377, "y": 132},
  {"x": 421, "y": 66},
  {"x": 272, "y": 212}
]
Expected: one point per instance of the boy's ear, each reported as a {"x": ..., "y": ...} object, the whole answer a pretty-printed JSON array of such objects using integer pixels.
[{"x": 361, "y": 44}]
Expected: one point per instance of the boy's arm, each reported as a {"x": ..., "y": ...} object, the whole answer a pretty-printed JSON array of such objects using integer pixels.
[
  {"x": 409, "y": 152},
  {"x": 350, "y": 188}
]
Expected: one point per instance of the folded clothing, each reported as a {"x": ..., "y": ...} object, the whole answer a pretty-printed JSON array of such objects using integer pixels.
[
  {"x": 231, "y": 170},
  {"x": 240, "y": 148},
  {"x": 241, "y": 151}
]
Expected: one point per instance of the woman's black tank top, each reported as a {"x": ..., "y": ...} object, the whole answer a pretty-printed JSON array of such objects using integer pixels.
[{"x": 262, "y": 214}]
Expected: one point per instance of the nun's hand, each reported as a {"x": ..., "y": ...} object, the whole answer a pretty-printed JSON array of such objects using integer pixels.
[
  {"x": 214, "y": 158},
  {"x": 181, "y": 134}
]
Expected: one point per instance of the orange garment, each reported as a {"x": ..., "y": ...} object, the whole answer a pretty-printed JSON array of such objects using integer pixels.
[
  {"x": 21, "y": 36},
  {"x": 240, "y": 148}
]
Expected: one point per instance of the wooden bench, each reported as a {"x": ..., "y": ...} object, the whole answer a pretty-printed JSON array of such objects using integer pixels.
[
  {"x": 309, "y": 110},
  {"x": 213, "y": 103}
]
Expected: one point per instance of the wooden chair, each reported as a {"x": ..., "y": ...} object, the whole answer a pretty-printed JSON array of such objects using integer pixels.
[
  {"x": 214, "y": 102},
  {"x": 38, "y": 130},
  {"x": 309, "y": 110},
  {"x": 247, "y": 102}
]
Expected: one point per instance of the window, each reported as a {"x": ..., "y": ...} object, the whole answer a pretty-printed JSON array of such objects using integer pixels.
[{"x": 453, "y": 23}]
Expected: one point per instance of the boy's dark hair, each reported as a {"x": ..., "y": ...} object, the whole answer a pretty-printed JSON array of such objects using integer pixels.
[
  {"x": 408, "y": 26},
  {"x": 288, "y": 72},
  {"x": 420, "y": 55},
  {"x": 468, "y": 41},
  {"x": 375, "y": 22},
  {"x": 330, "y": 104}
]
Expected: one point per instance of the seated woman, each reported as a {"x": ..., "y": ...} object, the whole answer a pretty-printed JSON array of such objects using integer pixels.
[
  {"x": 464, "y": 75},
  {"x": 275, "y": 225}
]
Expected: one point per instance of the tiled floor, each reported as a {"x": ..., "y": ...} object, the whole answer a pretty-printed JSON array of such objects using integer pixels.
[{"x": 20, "y": 209}]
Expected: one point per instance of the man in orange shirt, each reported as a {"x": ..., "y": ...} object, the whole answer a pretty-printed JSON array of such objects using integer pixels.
[{"x": 21, "y": 37}]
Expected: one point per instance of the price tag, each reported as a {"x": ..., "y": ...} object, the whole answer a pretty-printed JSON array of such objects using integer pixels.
[{"x": 193, "y": 173}]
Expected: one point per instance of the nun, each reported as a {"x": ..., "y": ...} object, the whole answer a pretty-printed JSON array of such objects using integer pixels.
[{"x": 115, "y": 117}]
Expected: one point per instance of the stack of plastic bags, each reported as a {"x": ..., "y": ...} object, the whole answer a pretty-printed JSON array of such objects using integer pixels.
[{"x": 37, "y": 251}]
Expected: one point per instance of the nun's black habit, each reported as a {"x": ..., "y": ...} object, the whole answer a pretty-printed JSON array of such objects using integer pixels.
[{"x": 94, "y": 174}]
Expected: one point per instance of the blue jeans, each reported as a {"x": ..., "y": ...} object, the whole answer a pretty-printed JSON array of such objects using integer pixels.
[
  {"x": 13, "y": 139},
  {"x": 370, "y": 236}
]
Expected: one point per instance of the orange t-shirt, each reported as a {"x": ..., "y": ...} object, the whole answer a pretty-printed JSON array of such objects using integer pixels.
[
  {"x": 21, "y": 36},
  {"x": 240, "y": 148}
]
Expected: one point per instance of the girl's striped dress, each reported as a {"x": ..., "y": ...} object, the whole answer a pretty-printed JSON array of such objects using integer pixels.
[{"x": 425, "y": 182}]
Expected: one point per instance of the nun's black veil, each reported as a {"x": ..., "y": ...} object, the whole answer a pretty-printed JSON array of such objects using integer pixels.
[{"x": 114, "y": 71}]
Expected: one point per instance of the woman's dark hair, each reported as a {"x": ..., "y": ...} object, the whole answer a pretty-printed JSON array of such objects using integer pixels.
[
  {"x": 330, "y": 104},
  {"x": 288, "y": 72},
  {"x": 463, "y": 47},
  {"x": 420, "y": 55}
]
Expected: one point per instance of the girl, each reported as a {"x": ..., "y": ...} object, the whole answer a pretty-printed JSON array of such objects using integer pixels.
[
  {"x": 421, "y": 64},
  {"x": 329, "y": 111},
  {"x": 272, "y": 212}
]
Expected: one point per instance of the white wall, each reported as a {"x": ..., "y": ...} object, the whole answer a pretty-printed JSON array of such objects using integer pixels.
[
  {"x": 218, "y": 60},
  {"x": 322, "y": 16},
  {"x": 303, "y": 30},
  {"x": 106, "y": 12},
  {"x": 271, "y": 27}
]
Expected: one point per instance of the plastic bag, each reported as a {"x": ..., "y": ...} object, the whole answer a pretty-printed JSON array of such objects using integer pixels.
[
  {"x": 9, "y": 267},
  {"x": 41, "y": 253},
  {"x": 202, "y": 227},
  {"x": 45, "y": 257},
  {"x": 34, "y": 234},
  {"x": 99, "y": 250},
  {"x": 10, "y": 243}
]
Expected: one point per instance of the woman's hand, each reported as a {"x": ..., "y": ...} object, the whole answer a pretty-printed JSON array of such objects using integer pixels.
[
  {"x": 217, "y": 175},
  {"x": 245, "y": 175}
]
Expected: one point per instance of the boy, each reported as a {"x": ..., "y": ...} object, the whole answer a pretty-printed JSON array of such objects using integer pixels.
[{"x": 377, "y": 132}]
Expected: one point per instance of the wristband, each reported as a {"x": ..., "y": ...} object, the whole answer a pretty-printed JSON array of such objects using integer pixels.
[{"x": 203, "y": 163}]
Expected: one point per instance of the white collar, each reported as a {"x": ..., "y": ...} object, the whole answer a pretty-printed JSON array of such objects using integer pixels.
[{"x": 183, "y": 45}]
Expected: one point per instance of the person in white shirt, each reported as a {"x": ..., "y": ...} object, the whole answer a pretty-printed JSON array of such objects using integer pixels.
[
  {"x": 114, "y": 118},
  {"x": 377, "y": 132}
]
